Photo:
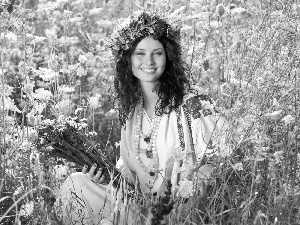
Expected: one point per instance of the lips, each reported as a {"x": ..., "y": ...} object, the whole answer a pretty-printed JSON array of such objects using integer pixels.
[{"x": 149, "y": 70}]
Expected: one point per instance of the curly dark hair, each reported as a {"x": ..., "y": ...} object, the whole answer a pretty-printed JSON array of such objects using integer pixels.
[{"x": 172, "y": 86}]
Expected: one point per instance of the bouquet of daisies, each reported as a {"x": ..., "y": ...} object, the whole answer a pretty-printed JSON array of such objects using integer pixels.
[{"x": 64, "y": 138}]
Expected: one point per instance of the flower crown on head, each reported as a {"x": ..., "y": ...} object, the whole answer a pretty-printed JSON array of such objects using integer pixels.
[{"x": 141, "y": 24}]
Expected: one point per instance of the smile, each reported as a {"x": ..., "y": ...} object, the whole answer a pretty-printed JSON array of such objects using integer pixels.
[{"x": 149, "y": 70}]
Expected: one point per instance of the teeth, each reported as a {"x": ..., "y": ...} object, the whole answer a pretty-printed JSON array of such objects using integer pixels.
[{"x": 148, "y": 70}]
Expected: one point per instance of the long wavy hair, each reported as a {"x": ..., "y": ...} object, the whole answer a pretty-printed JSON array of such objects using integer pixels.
[{"x": 172, "y": 86}]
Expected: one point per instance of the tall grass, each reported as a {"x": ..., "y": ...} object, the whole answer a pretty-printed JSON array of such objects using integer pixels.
[{"x": 247, "y": 60}]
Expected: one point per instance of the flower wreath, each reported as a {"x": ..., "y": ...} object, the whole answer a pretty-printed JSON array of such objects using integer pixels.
[{"x": 141, "y": 24}]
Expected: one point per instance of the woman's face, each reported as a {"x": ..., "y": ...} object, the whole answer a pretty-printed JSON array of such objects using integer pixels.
[{"x": 148, "y": 60}]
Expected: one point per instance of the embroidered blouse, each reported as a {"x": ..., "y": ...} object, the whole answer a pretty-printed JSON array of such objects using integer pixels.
[{"x": 206, "y": 126}]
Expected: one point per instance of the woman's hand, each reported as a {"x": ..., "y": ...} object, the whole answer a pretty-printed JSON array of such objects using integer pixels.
[{"x": 95, "y": 177}]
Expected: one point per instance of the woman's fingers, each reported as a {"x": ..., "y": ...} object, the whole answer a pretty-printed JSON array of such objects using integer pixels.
[
  {"x": 96, "y": 178},
  {"x": 92, "y": 170},
  {"x": 84, "y": 169},
  {"x": 102, "y": 179}
]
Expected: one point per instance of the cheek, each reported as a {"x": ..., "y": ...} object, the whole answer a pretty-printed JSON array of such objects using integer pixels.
[
  {"x": 163, "y": 63},
  {"x": 134, "y": 63}
]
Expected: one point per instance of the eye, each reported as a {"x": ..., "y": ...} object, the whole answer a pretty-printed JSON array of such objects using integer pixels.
[
  {"x": 158, "y": 53},
  {"x": 139, "y": 53}
]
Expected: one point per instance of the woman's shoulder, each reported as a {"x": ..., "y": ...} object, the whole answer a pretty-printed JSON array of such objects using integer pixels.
[
  {"x": 198, "y": 103},
  {"x": 193, "y": 92}
]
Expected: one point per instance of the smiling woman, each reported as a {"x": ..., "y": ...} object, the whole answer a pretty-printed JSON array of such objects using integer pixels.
[
  {"x": 148, "y": 60},
  {"x": 148, "y": 64},
  {"x": 166, "y": 126}
]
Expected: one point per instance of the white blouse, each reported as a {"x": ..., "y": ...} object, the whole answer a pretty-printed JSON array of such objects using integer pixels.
[{"x": 204, "y": 128}]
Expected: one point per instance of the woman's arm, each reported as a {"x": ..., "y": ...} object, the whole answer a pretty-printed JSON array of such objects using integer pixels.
[
  {"x": 208, "y": 127},
  {"x": 122, "y": 163}
]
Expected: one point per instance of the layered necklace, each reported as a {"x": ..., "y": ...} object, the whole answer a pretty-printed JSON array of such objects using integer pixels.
[{"x": 149, "y": 138}]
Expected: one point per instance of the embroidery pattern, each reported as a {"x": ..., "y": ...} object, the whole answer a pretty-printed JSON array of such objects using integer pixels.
[{"x": 199, "y": 106}]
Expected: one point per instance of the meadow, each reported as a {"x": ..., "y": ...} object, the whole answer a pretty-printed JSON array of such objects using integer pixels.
[{"x": 55, "y": 65}]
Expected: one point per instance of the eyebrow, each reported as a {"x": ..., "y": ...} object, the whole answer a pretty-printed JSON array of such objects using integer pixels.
[{"x": 153, "y": 49}]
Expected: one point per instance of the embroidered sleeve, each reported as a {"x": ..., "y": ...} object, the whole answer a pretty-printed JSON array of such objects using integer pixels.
[{"x": 207, "y": 125}]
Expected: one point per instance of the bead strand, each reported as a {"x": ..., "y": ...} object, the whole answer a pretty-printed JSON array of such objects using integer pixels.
[{"x": 152, "y": 143}]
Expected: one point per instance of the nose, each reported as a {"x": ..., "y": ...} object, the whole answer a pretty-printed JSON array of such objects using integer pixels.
[{"x": 149, "y": 60}]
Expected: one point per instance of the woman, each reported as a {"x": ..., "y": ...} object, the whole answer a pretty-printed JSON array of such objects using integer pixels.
[{"x": 166, "y": 127}]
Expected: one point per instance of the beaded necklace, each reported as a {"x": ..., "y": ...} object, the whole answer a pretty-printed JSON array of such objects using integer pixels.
[{"x": 149, "y": 138}]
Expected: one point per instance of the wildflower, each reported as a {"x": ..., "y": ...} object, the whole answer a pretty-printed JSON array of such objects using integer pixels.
[
  {"x": 10, "y": 36},
  {"x": 83, "y": 120},
  {"x": 78, "y": 110},
  {"x": 275, "y": 102},
  {"x": 104, "y": 23},
  {"x": 185, "y": 188},
  {"x": 207, "y": 105},
  {"x": 110, "y": 78},
  {"x": 47, "y": 122},
  {"x": 259, "y": 81},
  {"x": 46, "y": 74},
  {"x": 258, "y": 179},
  {"x": 67, "y": 14},
  {"x": 74, "y": 124},
  {"x": 112, "y": 112},
  {"x": 27, "y": 209},
  {"x": 68, "y": 40},
  {"x": 81, "y": 71},
  {"x": 126, "y": 22},
  {"x": 289, "y": 119},
  {"x": 278, "y": 157},
  {"x": 49, "y": 148},
  {"x": 4, "y": 2},
  {"x": 94, "y": 101},
  {"x": 214, "y": 24},
  {"x": 3, "y": 71},
  {"x": 77, "y": 19},
  {"x": 66, "y": 89},
  {"x": 82, "y": 126},
  {"x": 245, "y": 85},
  {"x": 47, "y": 7},
  {"x": 65, "y": 71},
  {"x": 19, "y": 190},
  {"x": 39, "y": 107},
  {"x": 52, "y": 37},
  {"x": 64, "y": 106},
  {"x": 10, "y": 105},
  {"x": 178, "y": 12},
  {"x": 115, "y": 35},
  {"x": 274, "y": 115},
  {"x": 35, "y": 162},
  {"x": 62, "y": 1},
  {"x": 23, "y": 68},
  {"x": 117, "y": 144},
  {"x": 82, "y": 58},
  {"x": 73, "y": 67},
  {"x": 42, "y": 94},
  {"x": 225, "y": 89},
  {"x": 92, "y": 133},
  {"x": 30, "y": 134},
  {"x": 60, "y": 171},
  {"x": 238, "y": 166},
  {"x": 95, "y": 11}
]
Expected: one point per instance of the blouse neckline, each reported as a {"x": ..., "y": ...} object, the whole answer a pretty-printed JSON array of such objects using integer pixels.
[{"x": 147, "y": 117}]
